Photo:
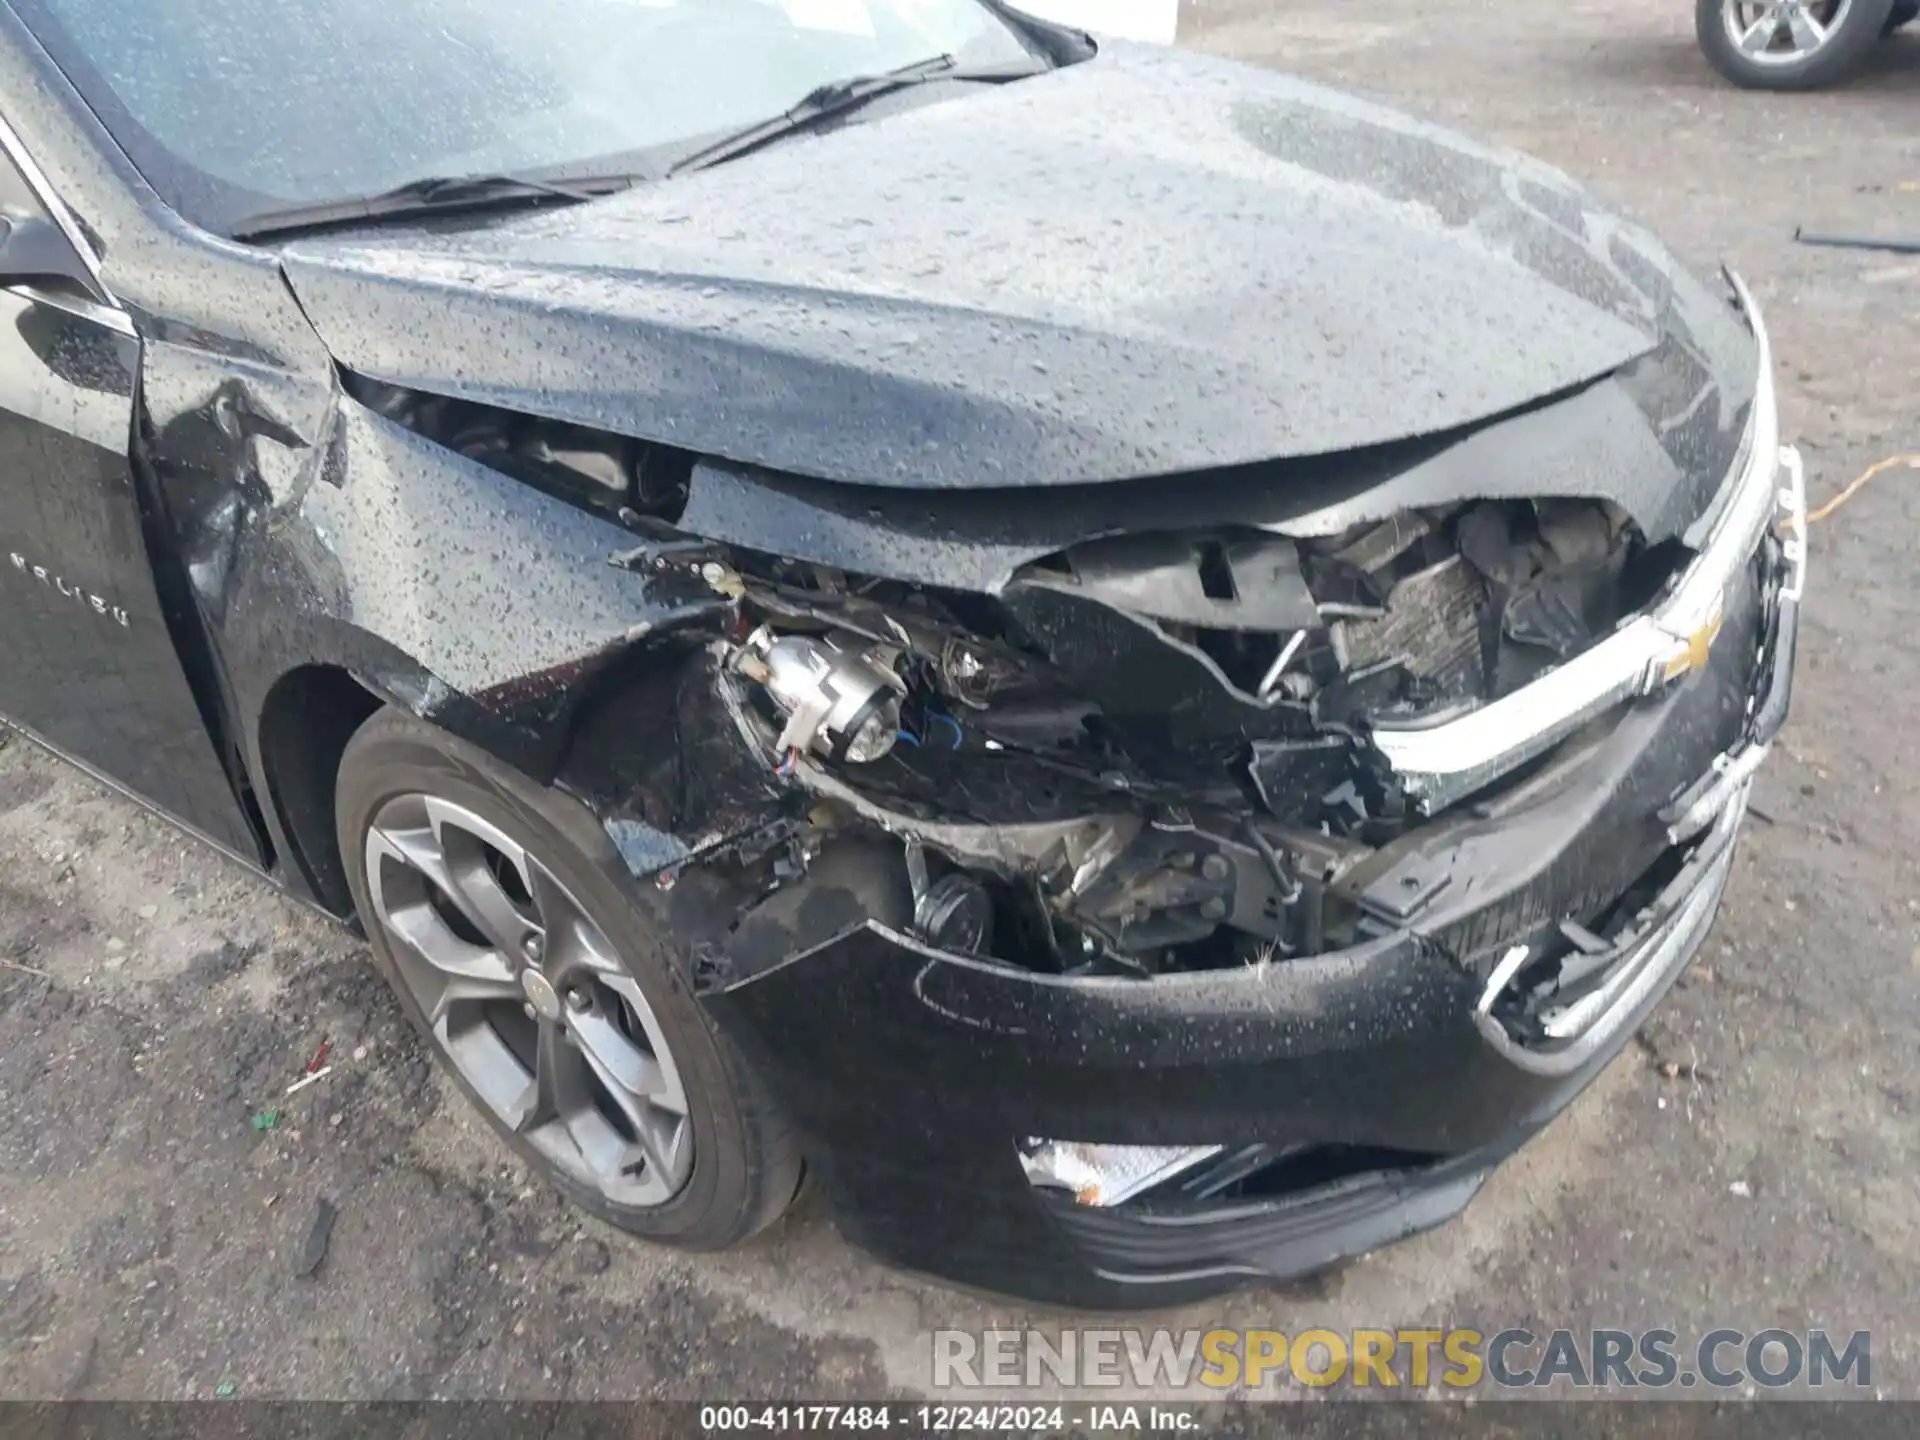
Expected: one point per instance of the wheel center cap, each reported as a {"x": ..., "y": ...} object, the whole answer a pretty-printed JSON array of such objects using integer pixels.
[{"x": 541, "y": 994}]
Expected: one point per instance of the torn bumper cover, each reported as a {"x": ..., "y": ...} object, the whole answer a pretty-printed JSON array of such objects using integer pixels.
[
  {"x": 1342, "y": 1100},
  {"x": 1177, "y": 907}
]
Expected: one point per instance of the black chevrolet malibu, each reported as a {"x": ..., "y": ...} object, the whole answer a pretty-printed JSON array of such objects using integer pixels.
[{"x": 1141, "y": 667}]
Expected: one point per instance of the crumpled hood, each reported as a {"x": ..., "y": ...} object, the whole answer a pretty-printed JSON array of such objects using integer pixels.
[{"x": 1149, "y": 263}]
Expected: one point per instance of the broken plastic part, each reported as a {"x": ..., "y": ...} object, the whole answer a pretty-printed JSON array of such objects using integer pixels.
[
  {"x": 1105, "y": 1175},
  {"x": 1559, "y": 1037},
  {"x": 1248, "y": 581},
  {"x": 1439, "y": 764}
]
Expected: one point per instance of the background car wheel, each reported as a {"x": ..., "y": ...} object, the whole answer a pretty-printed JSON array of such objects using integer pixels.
[
  {"x": 1905, "y": 12},
  {"x": 1788, "y": 44},
  {"x": 500, "y": 914}
]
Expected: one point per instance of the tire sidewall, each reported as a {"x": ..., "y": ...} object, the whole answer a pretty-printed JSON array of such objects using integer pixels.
[{"x": 395, "y": 754}]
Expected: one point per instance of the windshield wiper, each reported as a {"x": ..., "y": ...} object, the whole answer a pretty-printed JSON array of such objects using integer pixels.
[
  {"x": 836, "y": 97},
  {"x": 431, "y": 195}
]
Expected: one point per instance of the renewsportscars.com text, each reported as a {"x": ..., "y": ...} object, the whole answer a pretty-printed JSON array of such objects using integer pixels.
[{"x": 1415, "y": 1359}]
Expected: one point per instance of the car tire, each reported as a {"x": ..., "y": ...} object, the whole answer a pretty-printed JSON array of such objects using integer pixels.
[
  {"x": 1856, "y": 32},
  {"x": 745, "y": 1163}
]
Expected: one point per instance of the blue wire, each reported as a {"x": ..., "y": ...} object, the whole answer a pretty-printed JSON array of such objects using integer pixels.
[
  {"x": 959, "y": 735},
  {"x": 910, "y": 738}
]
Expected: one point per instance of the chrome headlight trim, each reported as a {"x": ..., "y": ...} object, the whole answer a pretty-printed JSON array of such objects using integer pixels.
[{"x": 1441, "y": 763}]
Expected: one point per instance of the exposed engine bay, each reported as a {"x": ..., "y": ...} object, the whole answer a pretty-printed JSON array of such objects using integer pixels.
[
  {"x": 1151, "y": 754},
  {"x": 1137, "y": 738}
]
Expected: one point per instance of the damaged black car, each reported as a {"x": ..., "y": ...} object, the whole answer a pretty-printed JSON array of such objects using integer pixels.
[{"x": 1139, "y": 667}]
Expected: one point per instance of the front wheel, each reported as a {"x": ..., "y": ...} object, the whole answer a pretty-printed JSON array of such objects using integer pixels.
[
  {"x": 500, "y": 914},
  {"x": 1788, "y": 44}
]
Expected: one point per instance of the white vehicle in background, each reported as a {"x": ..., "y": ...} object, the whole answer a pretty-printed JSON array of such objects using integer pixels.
[{"x": 1152, "y": 20}]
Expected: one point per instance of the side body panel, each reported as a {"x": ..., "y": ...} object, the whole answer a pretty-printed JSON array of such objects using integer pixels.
[{"x": 87, "y": 657}]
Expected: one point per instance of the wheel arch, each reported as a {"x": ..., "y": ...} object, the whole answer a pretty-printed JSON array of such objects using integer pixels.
[
  {"x": 588, "y": 742},
  {"x": 306, "y": 720}
]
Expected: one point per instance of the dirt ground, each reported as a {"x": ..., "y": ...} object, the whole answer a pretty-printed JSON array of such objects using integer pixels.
[{"x": 154, "y": 998}]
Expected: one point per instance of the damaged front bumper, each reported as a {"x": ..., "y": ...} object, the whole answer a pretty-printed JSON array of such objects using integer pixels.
[
  {"x": 1123, "y": 906},
  {"x": 1335, "y": 1101}
]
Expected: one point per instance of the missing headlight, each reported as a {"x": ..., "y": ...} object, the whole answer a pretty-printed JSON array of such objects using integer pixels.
[{"x": 1155, "y": 755}]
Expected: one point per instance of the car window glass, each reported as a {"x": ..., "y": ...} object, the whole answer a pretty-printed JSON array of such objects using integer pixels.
[{"x": 233, "y": 106}]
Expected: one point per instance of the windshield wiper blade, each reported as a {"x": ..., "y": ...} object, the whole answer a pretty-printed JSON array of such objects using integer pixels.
[
  {"x": 429, "y": 195},
  {"x": 836, "y": 97}
]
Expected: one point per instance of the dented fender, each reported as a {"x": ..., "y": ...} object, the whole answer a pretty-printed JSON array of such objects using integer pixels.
[{"x": 309, "y": 531}]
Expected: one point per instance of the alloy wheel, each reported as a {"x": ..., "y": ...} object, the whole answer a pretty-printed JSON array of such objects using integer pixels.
[
  {"x": 524, "y": 995},
  {"x": 1782, "y": 32}
]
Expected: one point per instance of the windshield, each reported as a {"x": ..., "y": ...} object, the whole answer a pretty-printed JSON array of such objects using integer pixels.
[{"x": 234, "y": 107}]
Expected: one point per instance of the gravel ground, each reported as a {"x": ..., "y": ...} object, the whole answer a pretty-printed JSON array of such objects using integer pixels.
[{"x": 153, "y": 997}]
